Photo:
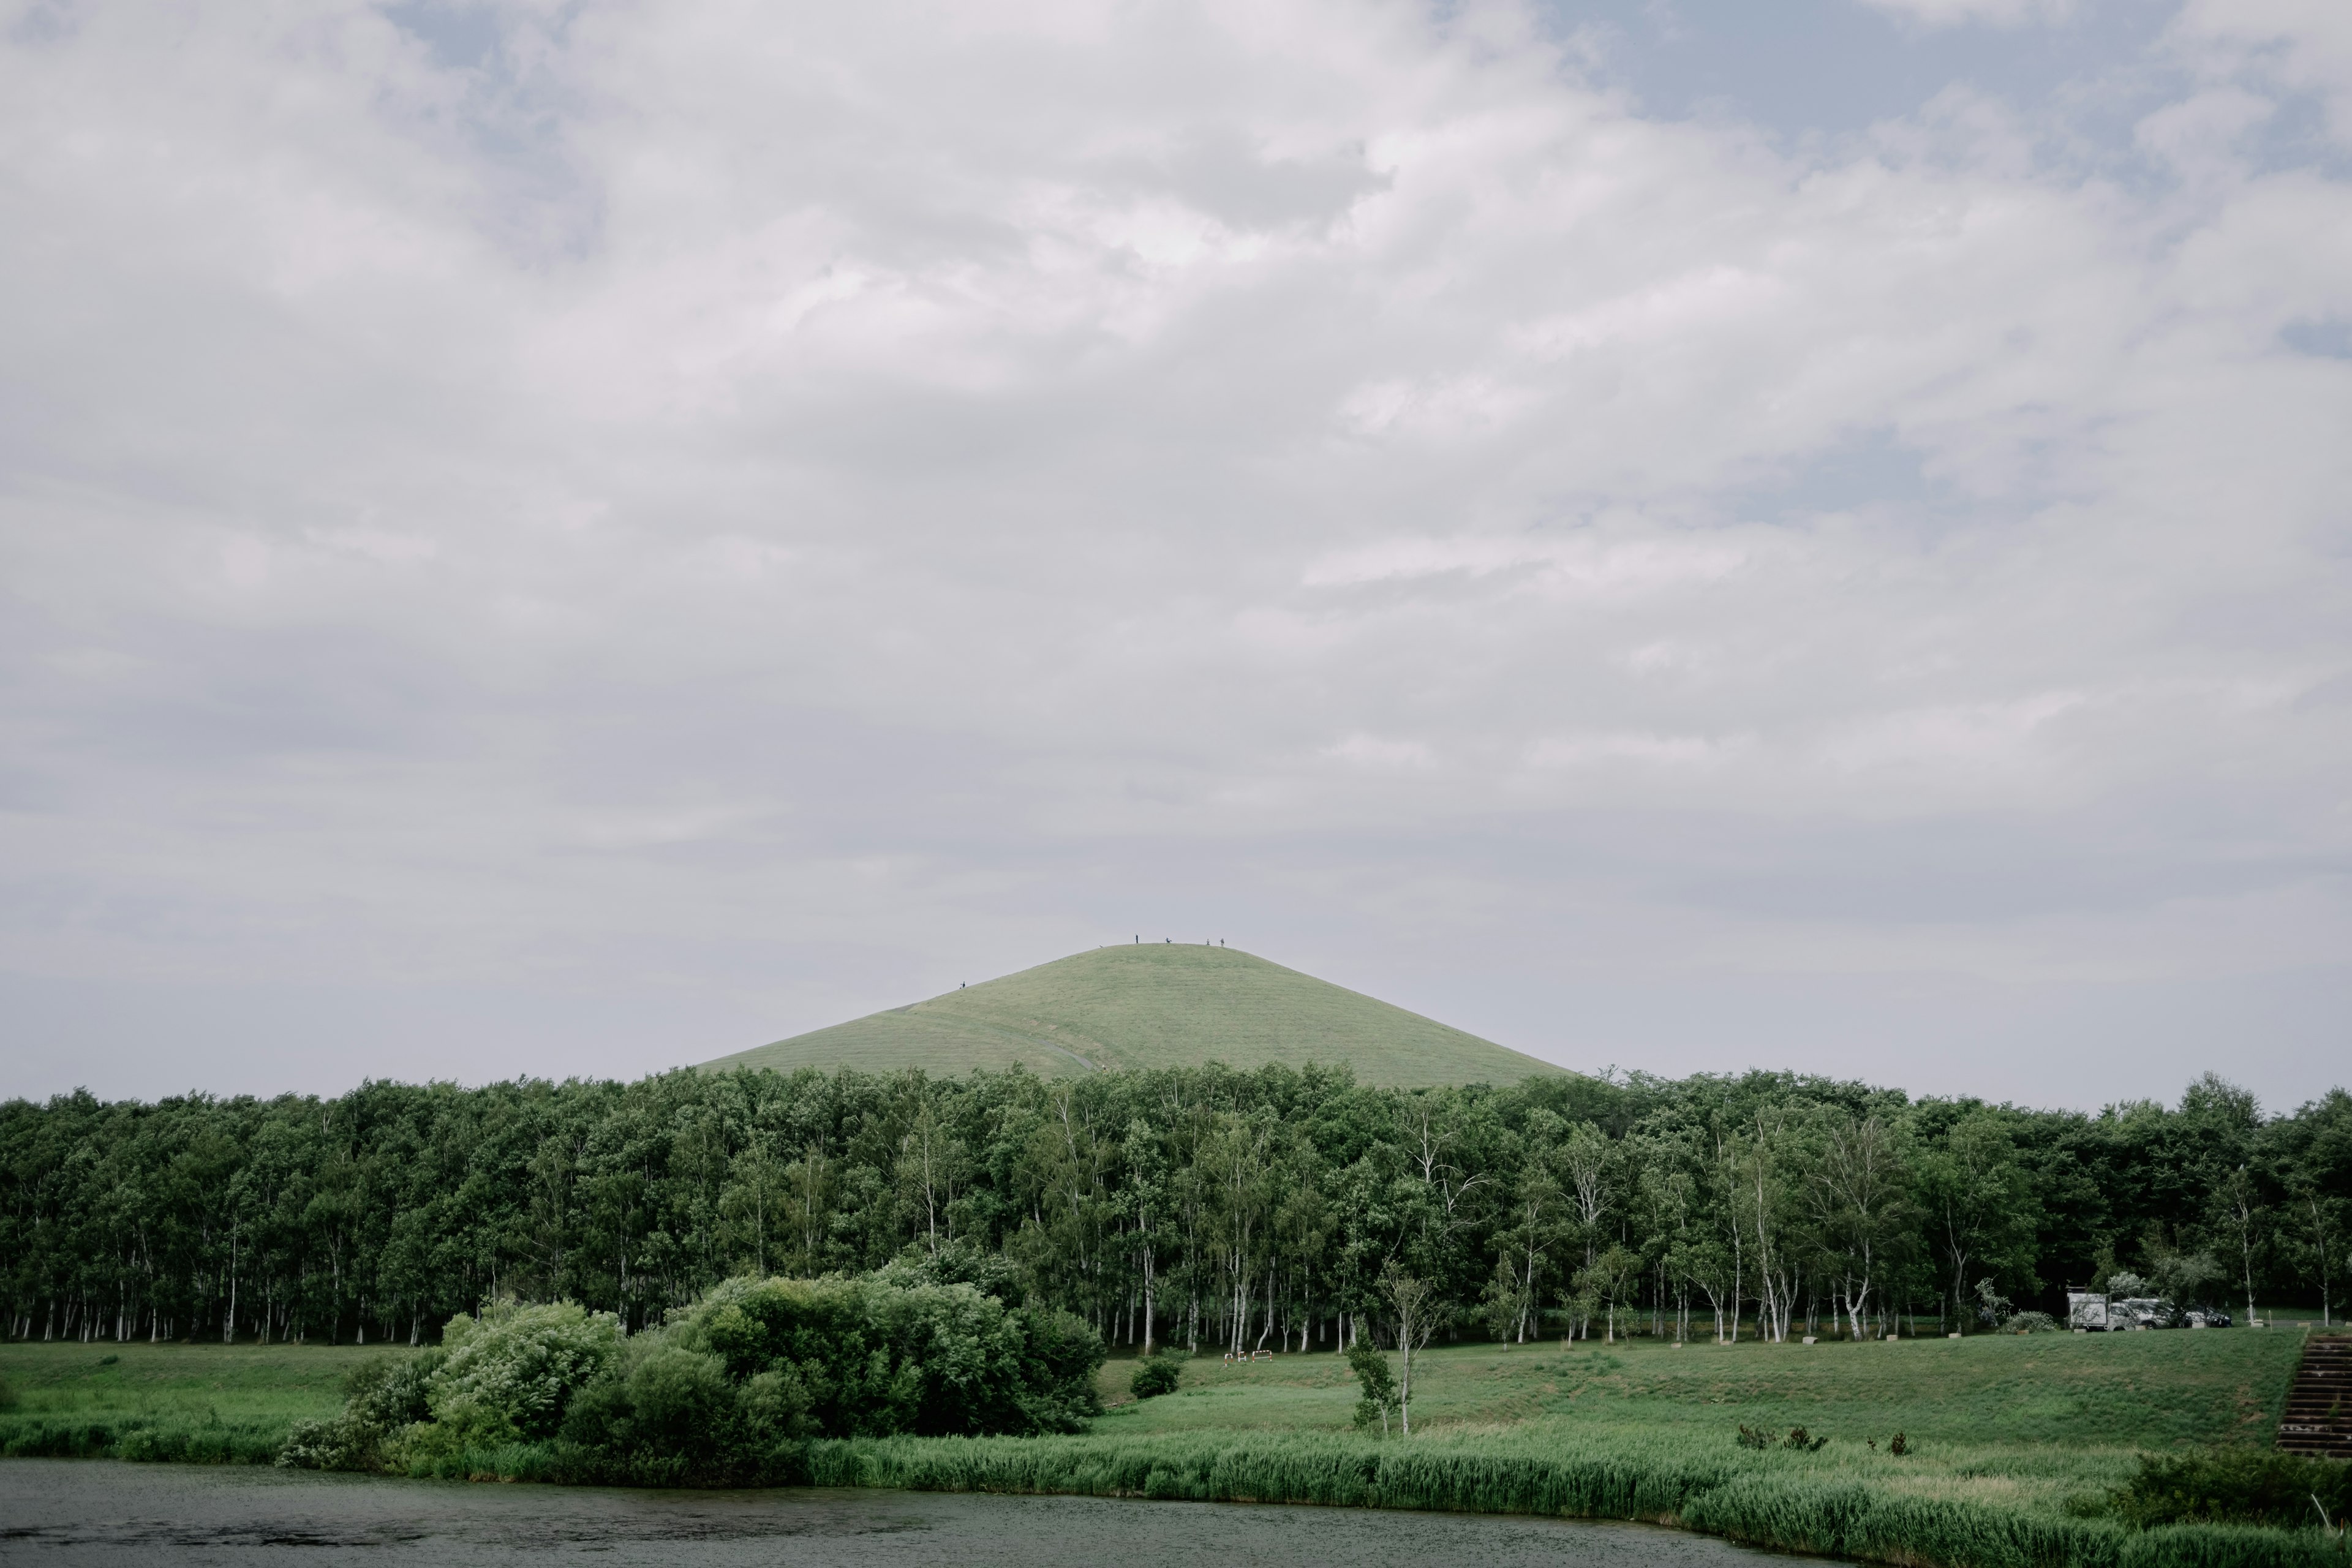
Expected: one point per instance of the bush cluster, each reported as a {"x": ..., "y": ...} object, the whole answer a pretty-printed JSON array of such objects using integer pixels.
[
  {"x": 1155, "y": 1375},
  {"x": 729, "y": 1390}
]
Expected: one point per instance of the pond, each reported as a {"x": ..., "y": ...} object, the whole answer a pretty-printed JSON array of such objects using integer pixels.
[{"x": 68, "y": 1511}]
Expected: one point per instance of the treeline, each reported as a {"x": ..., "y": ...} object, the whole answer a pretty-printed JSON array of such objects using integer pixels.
[{"x": 1205, "y": 1208}]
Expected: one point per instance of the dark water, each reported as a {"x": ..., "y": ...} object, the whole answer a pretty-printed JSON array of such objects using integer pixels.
[{"x": 67, "y": 1511}]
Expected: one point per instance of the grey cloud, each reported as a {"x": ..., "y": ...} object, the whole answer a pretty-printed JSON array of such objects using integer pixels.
[{"x": 955, "y": 489}]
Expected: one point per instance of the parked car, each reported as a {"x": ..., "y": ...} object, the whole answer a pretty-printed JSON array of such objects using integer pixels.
[
  {"x": 2088, "y": 1311},
  {"x": 2095, "y": 1313}
]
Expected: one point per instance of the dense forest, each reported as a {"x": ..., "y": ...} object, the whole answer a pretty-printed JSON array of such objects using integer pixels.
[{"x": 1200, "y": 1208}]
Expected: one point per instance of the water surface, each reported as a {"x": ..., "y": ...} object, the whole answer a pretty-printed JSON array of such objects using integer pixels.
[{"x": 77, "y": 1511}]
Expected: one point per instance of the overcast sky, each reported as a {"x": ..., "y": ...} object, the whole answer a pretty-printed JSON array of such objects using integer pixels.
[{"x": 575, "y": 538}]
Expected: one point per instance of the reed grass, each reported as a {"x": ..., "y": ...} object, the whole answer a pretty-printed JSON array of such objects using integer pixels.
[
  {"x": 1850, "y": 1507},
  {"x": 141, "y": 1438}
]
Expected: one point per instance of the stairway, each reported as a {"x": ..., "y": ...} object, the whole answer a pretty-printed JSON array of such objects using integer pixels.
[{"x": 2320, "y": 1406}]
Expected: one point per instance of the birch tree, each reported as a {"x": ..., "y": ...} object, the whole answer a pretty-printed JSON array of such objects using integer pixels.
[{"x": 1415, "y": 1306}]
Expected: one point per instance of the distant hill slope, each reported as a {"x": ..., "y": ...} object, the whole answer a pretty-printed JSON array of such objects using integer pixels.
[{"x": 1152, "y": 1006}]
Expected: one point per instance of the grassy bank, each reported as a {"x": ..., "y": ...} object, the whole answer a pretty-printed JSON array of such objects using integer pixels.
[
  {"x": 203, "y": 1403},
  {"x": 2014, "y": 1444}
]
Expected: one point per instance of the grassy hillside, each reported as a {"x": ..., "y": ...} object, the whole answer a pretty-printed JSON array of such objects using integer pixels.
[{"x": 1152, "y": 1006}]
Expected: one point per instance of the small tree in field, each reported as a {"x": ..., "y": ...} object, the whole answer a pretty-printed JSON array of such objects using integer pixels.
[
  {"x": 1372, "y": 1370},
  {"x": 1415, "y": 1302},
  {"x": 1607, "y": 1280},
  {"x": 2241, "y": 1215},
  {"x": 1505, "y": 1302},
  {"x": 2319, "y": 1223}
]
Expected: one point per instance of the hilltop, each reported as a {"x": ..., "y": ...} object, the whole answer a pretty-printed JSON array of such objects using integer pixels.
[{"x": 1152, "y": 1006}]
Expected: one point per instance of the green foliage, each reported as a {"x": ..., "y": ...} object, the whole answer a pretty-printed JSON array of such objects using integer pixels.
[
  {"x": 2184, "y": 1279},
  {"x": 675, "y": 1410},
  {"x": 384, "y": 1397},
  {"x": 876, "y": 1356},
  {"x": 1504, "y": 1301},
  {"x": 1377, "y": 1378},
  {"x": 1272, "y": 1199},
  {"x": 727, "y": 1392},
  {"x": 1155, "y": 1375},
  {"x": 340, "y": 1443},
  {"x": 9, "y": 1398},
  {"x": 386, "y": 1393},
  {"x": 956, "y": 1263},
  {"x": 510, "y": 1371},
  {"x": 2240, "y": 1486}
]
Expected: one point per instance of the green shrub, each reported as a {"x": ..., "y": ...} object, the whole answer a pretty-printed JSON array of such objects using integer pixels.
[
  {"x": 728, "y": 1392},
  {"x": 876, "y": 1357},
  {"x": 511, "y": 1371},
  {"x": 1154, "y": 1375},
  {"x": 383, "y": 1400},
  {"x": 8, "y": 1398},
  {"x": 675, "y": 1410},
  {"x": 955, "y": 1263},
  {"x": 393, "y": 1391},
  {"x": 1378, "y": 1380},
  {"x": 2235, "y": 1486},
  {"x": 339, "y": 1444}
]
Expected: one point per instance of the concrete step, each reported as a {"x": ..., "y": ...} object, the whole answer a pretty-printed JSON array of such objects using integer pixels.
[{"x": 2318, "y": 1423}]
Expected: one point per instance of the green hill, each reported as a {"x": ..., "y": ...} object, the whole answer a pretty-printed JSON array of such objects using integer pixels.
[{"x": 1153, "y": 1006}]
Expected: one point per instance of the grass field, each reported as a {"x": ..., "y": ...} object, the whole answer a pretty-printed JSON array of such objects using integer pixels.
[
  {"x": 1151, "y": 1007},
  {"x": 2014, "y": 1442},
  {"x": 2080, "y": 1392}
]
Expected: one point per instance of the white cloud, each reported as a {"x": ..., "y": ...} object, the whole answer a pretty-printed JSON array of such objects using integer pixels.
[{"x": 2303, "y": 46}]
